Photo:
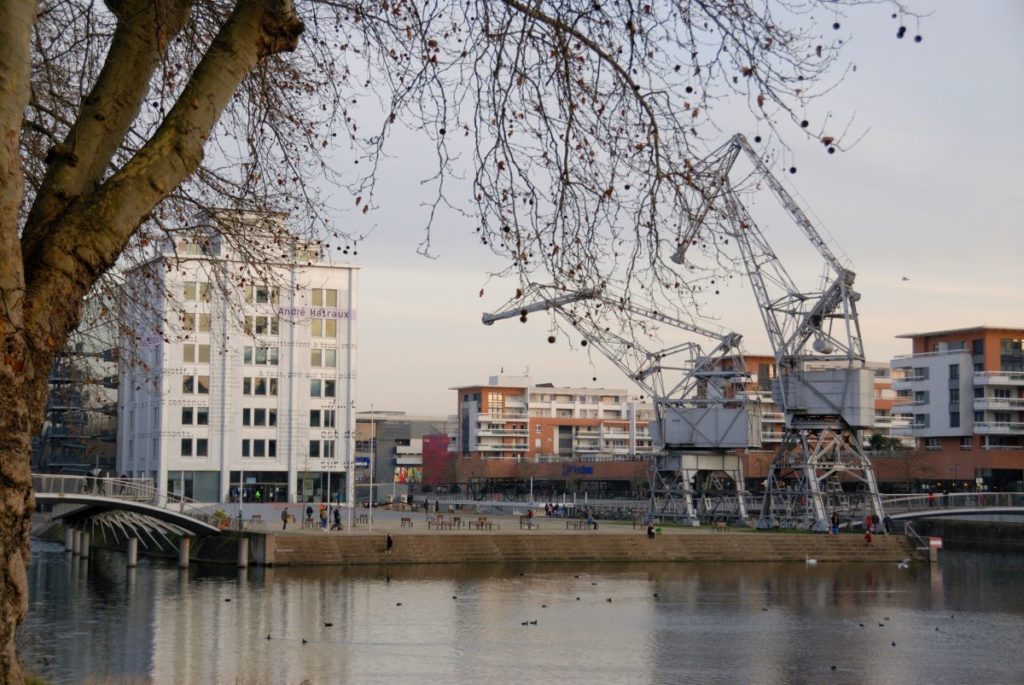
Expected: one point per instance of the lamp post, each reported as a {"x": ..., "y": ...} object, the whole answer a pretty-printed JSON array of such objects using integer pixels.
[{"x": 373, "y": 449}]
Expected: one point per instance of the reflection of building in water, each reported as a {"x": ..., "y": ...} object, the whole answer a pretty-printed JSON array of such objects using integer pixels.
[{"x": 240, "y": 374}]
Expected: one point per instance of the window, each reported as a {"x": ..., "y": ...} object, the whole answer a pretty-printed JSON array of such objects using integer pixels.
[
  {"x": 262, "y": 294},
  {"x": 188, "y": 322},
  {"x": 329, "y": 388},
  {"x": 979, "y": 417},
  {"x": 247, "y": 417},
  {"x": 323, "y": 328},
  {"x": 921, "y": 397},
  {"x": 204, "y": 323},
  {"x": 328, "y": 416},
  {"x": 186, "y": 416},
  {"x": 259, "y": 417},
  {"x": 314, "y": 418},
  {"x": 954, "y": 394},
  {"x": 258, "y": 448},
  {"x": 260, "y": 387},
  {"x": 324, "y": 418},
  {"x": 328, "y": 449},
  {"x": 186, "y": 447},
  {"x": 933, "y": 443},
  {"x": 966, "y": 442},
  {"x": 201, "y": 447},
  {"x": 954, "y": 419},
  {"x": 537, "y": 429},
  {"x": 324, "y": 297},
  {"x": 196, "y": 291},
  {"x": 262, "y": 325},
  {"x": 314, "y": 387},
  {"x": 261, "y": 356},
  {"x": 203, "y": 385},
  {"x": 323, "y": 358},
  {"x": 245, "y": 448},
  {"x": 977, "y": 347},
  {"x": 202, "y": 416},
  {"x": 314, "y": 449},
  {"x": 188, "y": 385},
  {"x": 192, "y": 354},
  {"x": 190, "y": 291},
  {"x": 271, "y": 448},
  {"x": 954, "y": 372}
]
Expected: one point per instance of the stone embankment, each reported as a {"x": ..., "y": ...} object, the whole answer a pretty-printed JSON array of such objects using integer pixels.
[{"x": 341, "y": 549}]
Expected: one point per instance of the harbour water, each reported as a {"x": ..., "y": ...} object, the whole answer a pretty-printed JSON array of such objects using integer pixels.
[{"x": 95, "y": 621}]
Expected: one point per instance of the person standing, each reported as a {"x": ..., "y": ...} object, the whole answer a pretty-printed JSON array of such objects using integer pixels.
[
  {"x": 337, "y": 517},
  {"x": 284, "y": 519},
  {"x": 835, "y": 522},
  {"x": 389, "y": 543}
]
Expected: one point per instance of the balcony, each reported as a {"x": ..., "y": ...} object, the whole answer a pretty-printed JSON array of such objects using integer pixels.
[
  {"x": 998, "y": 404},
  {"x": 515, "y": 447},
  {"x": 999, "y": 428},
  {"x": 501, "y": 417},
  {"x": 999, "y": 378},
  {"x": 502, "y": 433}
]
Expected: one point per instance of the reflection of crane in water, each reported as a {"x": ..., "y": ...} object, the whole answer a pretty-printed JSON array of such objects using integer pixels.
[
  {"x": 698, "y": 420},
  {"x": 822, "y": 385}
]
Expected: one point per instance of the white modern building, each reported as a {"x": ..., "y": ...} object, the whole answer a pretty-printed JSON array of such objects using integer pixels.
[{"x": 239, "y": 374}]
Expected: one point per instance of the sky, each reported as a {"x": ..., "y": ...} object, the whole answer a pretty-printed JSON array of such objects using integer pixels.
[{"x": 932, "y": 194}]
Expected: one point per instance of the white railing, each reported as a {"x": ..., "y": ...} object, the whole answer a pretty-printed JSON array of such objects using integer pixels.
[
  {"x": 1003, "y": 427},
  {"x": 140, "y": 490},
  {"x": 895, "y": 504},
  {"x": 937, "y": 353},
  {"x": 999, "y": 377}
]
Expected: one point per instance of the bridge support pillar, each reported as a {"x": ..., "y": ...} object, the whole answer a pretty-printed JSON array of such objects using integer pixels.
[
  {"x": 184, "y": 548},
  {"x": 243, "y": 552},
  {"x": 86, "y": 541},
  {"x": 133, "y": 552},
  {"x": 69, "y": 539},
  {"x": 76, "y": 544}
]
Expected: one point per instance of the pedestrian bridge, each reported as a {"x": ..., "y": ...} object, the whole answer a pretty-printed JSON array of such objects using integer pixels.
[
  {"x": 126, "y": 505},
  {"x": 953, "y": 504}
]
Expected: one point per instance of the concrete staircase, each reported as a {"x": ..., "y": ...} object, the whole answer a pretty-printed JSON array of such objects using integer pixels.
[{"x": 467, "y": 548}]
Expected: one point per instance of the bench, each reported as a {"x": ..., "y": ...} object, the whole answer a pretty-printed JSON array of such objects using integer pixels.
[
  {"x": 439, "y": 523},
  {"x": 457, "y": 522},
  {"x": 720, "y": 526},
  {"x": 406, "y": 521},
  {"x": 482, "y": 523},
  {"x": 580, "y": 524}
]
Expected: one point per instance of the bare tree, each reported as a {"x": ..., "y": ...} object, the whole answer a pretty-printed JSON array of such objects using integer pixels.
[{"x": 575, "y": 123}]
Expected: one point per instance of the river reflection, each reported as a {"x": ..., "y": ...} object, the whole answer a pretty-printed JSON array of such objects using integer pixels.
[{"x": 651, "y": 623}]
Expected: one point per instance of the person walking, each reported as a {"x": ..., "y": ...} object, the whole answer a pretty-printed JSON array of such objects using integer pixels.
[
  {"x": 389, "y": 543},
  {"x": 650, "y": 531},
  {"x": 337, "y": 518},
  {"x": 835, "y": 522},
  {"x": 284, "y": 519}
]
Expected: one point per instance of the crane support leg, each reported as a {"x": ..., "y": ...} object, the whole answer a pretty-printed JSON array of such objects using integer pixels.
[{"x": 817, "y": 472}]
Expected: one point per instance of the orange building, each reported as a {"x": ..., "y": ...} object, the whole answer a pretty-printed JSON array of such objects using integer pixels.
[{"x": 513, "y": 429}]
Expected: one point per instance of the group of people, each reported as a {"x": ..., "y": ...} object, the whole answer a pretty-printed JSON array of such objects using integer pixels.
[
  {"x": 554, "y": 510},
  {"x": 324, "y": 512}
]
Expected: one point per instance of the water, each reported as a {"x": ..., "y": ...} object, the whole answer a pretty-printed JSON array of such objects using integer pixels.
[{"x": 709, "y": 623}]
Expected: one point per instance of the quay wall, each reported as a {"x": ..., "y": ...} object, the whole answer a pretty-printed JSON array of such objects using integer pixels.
[{"x": 339, "y": 549}]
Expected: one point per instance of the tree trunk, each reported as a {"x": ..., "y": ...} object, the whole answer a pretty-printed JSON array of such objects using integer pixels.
[{"x": 23, "y": 399}]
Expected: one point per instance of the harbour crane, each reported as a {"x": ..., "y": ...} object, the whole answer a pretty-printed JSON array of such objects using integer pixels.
[
  {"x": 822, "y": 385},
  {"x": 699, "y": 420}
]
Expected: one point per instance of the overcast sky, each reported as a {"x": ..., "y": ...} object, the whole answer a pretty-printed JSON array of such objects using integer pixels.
[{"x": 932, "y": 193}]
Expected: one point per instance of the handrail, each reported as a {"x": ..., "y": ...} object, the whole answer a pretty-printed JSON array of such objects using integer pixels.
[
  {"x": 909, "y": 531},
  {"x": 140, "y": 490}
]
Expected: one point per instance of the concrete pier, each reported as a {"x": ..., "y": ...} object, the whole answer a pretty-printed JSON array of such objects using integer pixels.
[
  {"x": 69, "y": 540},
  {"x": 243, "y": 552},
  {"x": 86, "y": 542},
  {"x": 76, "y": 544},
  {"x": 133, "y": 552},
  {"x": 184, "y": 549}
]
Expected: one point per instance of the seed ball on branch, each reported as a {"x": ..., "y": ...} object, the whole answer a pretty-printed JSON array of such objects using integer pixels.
[{"x": 551, "y": 339}]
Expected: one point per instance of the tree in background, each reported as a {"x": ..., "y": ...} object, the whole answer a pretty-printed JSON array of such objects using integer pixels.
[{"x": 574, "y": 125}]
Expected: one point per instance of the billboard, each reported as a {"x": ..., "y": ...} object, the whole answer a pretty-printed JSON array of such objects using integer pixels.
[{"x": 408, "y": 474}]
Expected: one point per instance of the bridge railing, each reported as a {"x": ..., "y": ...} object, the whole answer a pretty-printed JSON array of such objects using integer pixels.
[
  {"x": 952, "y": 500},
  {"x": 129, "y": 489}
]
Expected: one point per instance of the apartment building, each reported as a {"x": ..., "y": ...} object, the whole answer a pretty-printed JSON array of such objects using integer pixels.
[
  {"x": 515, "y": 429},
  {"x": 239, "y": 378},
  {"x": 962, "y": 391}
]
